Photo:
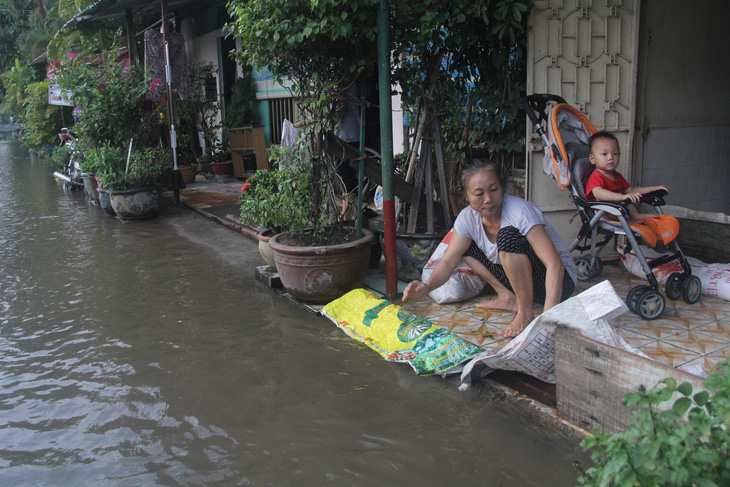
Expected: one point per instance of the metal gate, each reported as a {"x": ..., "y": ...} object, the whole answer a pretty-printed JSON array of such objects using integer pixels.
[{"x": 584, "y": 51}]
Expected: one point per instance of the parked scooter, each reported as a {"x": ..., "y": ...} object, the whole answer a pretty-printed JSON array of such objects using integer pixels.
[{"x": 71, "y": 175}]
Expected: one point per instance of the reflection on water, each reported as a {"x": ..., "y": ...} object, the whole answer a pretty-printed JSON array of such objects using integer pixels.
[{"x": 135, "y": 354}]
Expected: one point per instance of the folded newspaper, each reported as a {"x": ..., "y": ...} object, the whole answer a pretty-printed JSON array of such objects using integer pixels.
[{"x": 533, "y": 350}]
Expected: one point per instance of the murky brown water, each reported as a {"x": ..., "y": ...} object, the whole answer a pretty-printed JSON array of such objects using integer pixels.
[{"x": 145, "y": 354}]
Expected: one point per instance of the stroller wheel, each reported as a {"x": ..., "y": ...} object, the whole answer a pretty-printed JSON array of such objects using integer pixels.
[
  {"x": 586, "y": 270},
  {"x": 632, "y": 299},
  {"x": 673, "y": 286},
  {"x": 650, "y": 305},
  {"x": 691, "y": 289}
]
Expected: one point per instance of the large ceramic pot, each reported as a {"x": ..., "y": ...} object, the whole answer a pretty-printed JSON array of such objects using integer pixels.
[
  {"x": 136, "y": 204},
  {"x": 319, "y": 275},
  {"x": 222, "y": 168},
  {"x": 265, "y": 248},
  {"x": 90, "y": 187},
  {"x": 105, "y": 202}
]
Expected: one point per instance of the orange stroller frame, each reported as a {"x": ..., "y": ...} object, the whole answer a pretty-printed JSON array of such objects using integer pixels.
[{"x": 566, "y": 160}]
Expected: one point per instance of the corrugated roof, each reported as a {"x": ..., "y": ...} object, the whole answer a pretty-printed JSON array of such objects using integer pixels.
[{"x": 104, "y": 10}]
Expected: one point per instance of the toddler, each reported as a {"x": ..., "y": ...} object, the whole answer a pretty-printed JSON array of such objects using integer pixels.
[{"x": 607, "y": 184}]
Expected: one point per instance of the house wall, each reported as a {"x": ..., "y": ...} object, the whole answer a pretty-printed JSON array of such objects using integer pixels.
[
  {"x": 204, "y": 48},
  {"x": 683, "y": 110},
  {"x": 664, "y": 97}
]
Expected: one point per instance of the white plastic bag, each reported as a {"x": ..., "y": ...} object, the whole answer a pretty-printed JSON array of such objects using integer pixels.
[
  {"x": 378, "y": 198},
  {"x": 715, "y": 278},
  {"x": 463, "y": 283}
]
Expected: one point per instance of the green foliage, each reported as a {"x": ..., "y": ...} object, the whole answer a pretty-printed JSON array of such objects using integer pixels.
[
  {"x": 315, "y": 44},
  {"x": 111, "y": 98},
  {"x": 460, "y": 54},
  {"x": 281, "y": 200},
  {"x": 110, "y": 165},
  {"x": 59, "y": 158},
  {"x": 322, "y": 47},
  {"x": 106, "y": 161},
  {"x": 687, "y": 444},
  {"x": 42, "y": 121},
  {"x": 243, "y": 95},
  {"x": 15, "y": 80}
]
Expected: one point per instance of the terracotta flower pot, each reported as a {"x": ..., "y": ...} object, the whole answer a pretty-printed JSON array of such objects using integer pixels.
[
  {"x": 265, "y": 248},
  {"x": 222, "y": 168},
  {"x": 188, "y": 173},
  {"x": 321, "y": 274}
]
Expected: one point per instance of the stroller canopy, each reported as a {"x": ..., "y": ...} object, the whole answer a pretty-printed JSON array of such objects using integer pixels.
[{"x": 568, "y": 130}]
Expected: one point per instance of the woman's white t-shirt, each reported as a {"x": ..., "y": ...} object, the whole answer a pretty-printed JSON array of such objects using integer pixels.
[{"x": 517, "y": 213}]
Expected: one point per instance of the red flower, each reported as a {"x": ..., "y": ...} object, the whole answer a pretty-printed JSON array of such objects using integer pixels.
[{"x": 245, "y": 187}]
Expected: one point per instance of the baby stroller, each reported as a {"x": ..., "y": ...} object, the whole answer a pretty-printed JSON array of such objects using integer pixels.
[{"x": 566, "y": 159}]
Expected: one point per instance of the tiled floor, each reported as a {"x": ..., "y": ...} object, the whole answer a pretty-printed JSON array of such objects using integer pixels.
[{"x": 684, "y": 335}]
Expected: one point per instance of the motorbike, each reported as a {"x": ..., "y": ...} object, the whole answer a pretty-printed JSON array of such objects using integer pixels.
[{"x": 71, "y": 175}]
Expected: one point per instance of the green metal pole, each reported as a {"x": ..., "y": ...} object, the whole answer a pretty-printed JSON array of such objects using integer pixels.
[{"x": 386, "y": 148}]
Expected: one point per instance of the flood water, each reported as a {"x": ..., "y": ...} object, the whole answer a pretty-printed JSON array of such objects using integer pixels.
[{"x": 145, "y": 354}]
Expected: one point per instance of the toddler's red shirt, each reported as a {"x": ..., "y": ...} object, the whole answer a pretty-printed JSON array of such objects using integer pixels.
[{"x": 598, "y": 180}]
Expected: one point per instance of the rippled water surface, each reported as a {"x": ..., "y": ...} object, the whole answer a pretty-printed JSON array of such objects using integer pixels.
[{"x": 145, "y": 354}]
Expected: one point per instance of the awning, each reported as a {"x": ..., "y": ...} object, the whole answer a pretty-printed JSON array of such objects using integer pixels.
[{"x": 106, "y": 10}]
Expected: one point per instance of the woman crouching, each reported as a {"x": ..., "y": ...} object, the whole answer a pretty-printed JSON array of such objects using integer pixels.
[{"x": 508, "y": 243}]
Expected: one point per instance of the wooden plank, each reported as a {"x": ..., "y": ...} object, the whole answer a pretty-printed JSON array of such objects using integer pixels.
[
  {"x": 591, "y": 378},
  {"x": 340, "y": 149},
  {"x": 441, "y": 169},
  {"x": 526, "y": 384},
  {"x": 430, "y": 215},
  {"x": 242, "y": 139},
  {"x": 418, "y": 184}
]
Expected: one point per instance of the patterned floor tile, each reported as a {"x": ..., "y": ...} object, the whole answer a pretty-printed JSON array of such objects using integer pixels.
[
  {"x": 634, "y": 339},
  {"x": 482, "y": 329},
  {"x": 717, "y": 308},
  {"x": 427, "y": 308},
  {"x": 625, "y": 319},
  {"x": 657, "y": 329},
  {"x": 719, "y": 330},
  {"x": 711, "y": 360},
  {"x": 696, "y": 342},
  {"x": 692, "y": 316},
  {"x": 669, "y": 354}
]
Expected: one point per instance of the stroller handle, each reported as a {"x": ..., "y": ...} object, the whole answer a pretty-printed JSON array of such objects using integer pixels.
[{"x": 536, "y": 106}]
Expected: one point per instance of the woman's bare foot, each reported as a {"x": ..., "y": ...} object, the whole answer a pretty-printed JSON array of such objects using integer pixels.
[
  {"x": 503, "y": 302},
  {"x": 519, "y": 323}
]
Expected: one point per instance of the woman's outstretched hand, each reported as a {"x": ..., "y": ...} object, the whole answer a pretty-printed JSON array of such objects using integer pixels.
[{"x": 415, "y": 290}]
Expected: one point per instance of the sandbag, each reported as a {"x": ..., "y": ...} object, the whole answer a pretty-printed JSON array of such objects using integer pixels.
[
  {"x": 463, "y": 283},
  {"x": 397, "y": 334}
]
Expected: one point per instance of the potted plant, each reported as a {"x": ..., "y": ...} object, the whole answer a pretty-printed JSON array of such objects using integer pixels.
[
  {"x": 317, "y": 261},
  {"x": 263, "y": 209},
  {"x": 104, "y": 162},
  {"x": 133, "y": 187},
  {"x": 322, "y": 54},
  {"x": 220, "y": 160}
]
